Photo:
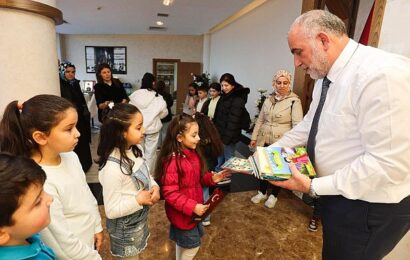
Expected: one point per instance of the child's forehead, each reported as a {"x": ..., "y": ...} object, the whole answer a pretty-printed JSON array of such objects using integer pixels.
[{"x": 191, "y": 126}]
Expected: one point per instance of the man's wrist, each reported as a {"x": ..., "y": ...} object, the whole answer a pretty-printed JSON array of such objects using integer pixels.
[{"x": 312, "y": 193}]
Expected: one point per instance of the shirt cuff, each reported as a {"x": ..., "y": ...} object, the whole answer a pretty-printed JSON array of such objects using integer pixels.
[{"x": 324, "y": 186}]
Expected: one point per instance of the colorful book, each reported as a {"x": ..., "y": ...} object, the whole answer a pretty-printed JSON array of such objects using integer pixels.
[
  {"x": 272, "y": 163},
  {"x": 236, "y": 164}
]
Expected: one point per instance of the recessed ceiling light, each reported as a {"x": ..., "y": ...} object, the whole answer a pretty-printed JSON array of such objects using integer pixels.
[
  {"x": 160, "y": 23},
  {"x": 167, "y": 2}
]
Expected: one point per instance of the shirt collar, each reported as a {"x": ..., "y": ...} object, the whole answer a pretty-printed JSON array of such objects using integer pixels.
[{"x": 342, "y": 60}]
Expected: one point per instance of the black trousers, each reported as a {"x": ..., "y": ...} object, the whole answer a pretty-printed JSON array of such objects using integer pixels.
[{"x": 355, "y": 229}]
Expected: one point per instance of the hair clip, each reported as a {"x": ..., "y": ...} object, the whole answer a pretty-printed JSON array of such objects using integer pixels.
[
  {"x": 111, "y": 105},
  {"x": 20, "y": 105}
]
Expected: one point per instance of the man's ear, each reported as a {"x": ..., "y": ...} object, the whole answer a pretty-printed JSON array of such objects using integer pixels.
[
  {"x": 39, "y": 137},
  {"x": 4, "y": 237},
  {"x": 324, "y": 39}
]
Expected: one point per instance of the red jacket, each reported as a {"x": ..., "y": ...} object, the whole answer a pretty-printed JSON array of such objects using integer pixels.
[{"x": 184, "y": 190}]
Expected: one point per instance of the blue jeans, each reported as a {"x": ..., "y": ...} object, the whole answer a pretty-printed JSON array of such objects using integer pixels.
[
  {"x": 205, "y": 191},
  {"x": 229, "y": 151}
]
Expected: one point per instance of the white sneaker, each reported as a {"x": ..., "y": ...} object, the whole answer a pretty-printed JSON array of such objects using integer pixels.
[
  {"x": 258, "y": 197},
  {"x": 206, "y": 223},
  {"x": 270, "y": 203}
]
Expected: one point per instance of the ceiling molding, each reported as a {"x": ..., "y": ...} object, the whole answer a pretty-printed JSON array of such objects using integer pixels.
[
  {"x": 34, "y": 7},
  {"x": 237, "y": 15}
]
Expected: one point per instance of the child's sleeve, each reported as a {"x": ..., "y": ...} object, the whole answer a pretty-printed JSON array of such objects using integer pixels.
[
  {"x": 172, "y": 194},
  {"x": 117, "y": 202},
  {"x": 58, "y": 236},
  {"x": 206, "y": 179}
]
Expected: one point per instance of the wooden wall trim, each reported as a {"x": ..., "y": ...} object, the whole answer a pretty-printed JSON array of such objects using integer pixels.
[
  {"x": 377, "y": 20},
  {"x": 34, "y": 7}
]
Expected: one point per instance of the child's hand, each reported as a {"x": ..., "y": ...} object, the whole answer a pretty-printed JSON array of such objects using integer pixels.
[
  {"x": 200, "y": 209},
  {"x": 155, "y": 196},
  {"x": 217, "y": 177},
  {"x": 98, "y": 239},
  {"x": 144, "y": 198}
]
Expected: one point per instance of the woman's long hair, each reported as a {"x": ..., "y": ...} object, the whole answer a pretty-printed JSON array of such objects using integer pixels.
[
  {"x": 171, "y": 147},
  {"x": 117, "y": 121},
  {"x": 209, "y": 134},
  {"x": 227, "y": 77},
  {"x": 39, "y": 113}
]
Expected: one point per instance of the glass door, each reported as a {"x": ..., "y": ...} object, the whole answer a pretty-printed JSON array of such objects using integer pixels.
[{"x": 166, "y": 70}]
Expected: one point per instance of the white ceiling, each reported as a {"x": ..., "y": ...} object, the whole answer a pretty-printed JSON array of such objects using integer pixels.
[{"x": 186, "y": 17}]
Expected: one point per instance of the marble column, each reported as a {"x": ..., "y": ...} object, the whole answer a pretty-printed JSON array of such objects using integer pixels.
[{"x": 28, "y": 52}]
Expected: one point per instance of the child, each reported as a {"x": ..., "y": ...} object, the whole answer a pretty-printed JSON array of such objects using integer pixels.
[
  {"x": 183, "y": 173},
  {"x": 211, "y": 105},
  {"x": 190, "y": 100},
  {"x": 202, "y": 98},
  {"x": 211, "y": 147},
  {"x": 128, "y": 188},
  {"x": 25, "y": 209},
  {"x": 43, "y": 128}
]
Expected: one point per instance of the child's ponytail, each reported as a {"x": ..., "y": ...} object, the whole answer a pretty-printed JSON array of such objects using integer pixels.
[
  {"x": 12, "y": 138},
  {"x": 20, "y": 120}
]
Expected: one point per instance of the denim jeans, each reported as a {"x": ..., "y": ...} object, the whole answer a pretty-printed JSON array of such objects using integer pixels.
[
  {"x": 129, "y": 234},
  {"x": 205, "y": 191}
]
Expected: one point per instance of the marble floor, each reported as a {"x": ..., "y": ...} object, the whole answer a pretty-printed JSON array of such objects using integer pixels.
[{"x": 239, "y": 229}]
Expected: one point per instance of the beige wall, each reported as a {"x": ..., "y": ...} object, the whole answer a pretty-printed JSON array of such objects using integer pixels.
[
  {"x": 141, "y": 49},
  {"x": 255, "y": 46}
]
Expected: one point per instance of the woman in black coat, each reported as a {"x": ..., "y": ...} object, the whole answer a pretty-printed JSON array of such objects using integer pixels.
[
  {"x": 107, "y": 90},
  {"x": 229, "y": 114},
  {"x": 70, "y": 90}
]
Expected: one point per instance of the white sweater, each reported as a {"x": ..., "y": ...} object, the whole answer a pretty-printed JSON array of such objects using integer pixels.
[
  {"x": 74, "y": 212},
  {"x": 153, "y": 109},
  {"x": 119, "y": 191}
]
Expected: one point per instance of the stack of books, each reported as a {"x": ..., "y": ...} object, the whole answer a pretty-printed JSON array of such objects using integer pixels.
[{"x": 272, "y": 163}]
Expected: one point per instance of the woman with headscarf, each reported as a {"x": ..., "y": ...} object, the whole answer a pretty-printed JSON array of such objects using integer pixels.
[
  {"x": 153, "y": 109},
  {"x": 70, "y": 90},
  {"x": 279, "y": 113}
]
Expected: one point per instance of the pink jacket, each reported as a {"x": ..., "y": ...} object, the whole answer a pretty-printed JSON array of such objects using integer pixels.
[{"x": 182, "y": 191}]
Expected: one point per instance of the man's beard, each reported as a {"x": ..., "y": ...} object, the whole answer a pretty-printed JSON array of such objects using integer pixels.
[{"x": 319, "y": 67}]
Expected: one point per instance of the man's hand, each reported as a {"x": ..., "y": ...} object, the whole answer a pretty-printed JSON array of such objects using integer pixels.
[{"x": 297, "y": 182}]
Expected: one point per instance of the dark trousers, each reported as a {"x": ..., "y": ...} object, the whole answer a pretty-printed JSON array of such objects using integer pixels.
[
  {"x": 355, "y": 229},
  {"x": 264, "y": 185}
]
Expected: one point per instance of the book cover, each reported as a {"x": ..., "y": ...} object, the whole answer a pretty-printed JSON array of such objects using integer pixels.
[
  {"x": 272, "y": 163},
  {"x": 238, "y": 165},
  {"x": 213, "y": 201}
]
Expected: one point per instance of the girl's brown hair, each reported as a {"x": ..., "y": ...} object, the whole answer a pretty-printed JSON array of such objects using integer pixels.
[
  {"x": 209, "y": 134},
  {"x": 39, "y": 113},
  {"x": 171, "y": 147},
  {"x": 117, "y": 121}
]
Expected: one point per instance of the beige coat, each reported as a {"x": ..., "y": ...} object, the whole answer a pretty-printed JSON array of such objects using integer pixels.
[{"x": 276, "y": 118}]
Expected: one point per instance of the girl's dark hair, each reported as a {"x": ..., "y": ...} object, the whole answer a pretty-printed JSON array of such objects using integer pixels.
[
  {"x": 227, "y": 77},
  {"x": 216, "y": 86},
  {"x": 17, "y": 174},
  {"x": 117, "y": 121},
  {"x": 171, "y": 146},
  {"x": 209, "y": 134},
  {"x": 147, "y": 81},
  {"x": 39, "y": 113},
  {"x": 161, "y": 87}
]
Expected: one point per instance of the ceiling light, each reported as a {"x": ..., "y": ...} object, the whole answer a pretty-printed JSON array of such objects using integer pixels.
[
  {"x": 160, "y": 23},
  {"x": 167, "y": 2}
]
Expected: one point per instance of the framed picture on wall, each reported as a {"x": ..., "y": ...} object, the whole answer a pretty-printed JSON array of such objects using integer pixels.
[{"x": 116, "y": 57}]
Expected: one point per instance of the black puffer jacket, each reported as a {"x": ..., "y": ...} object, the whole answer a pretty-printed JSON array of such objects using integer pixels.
[{"x": 228, "y": 114}]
